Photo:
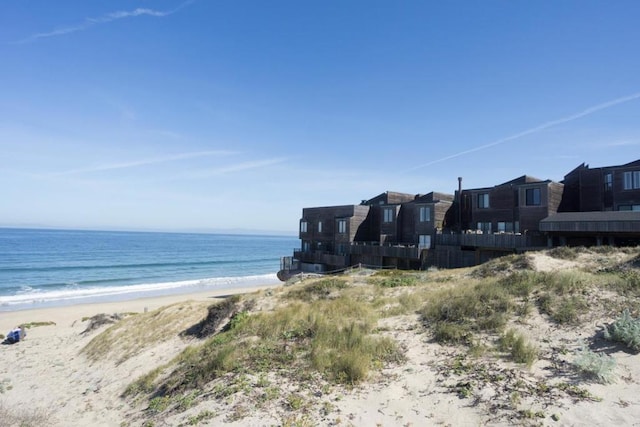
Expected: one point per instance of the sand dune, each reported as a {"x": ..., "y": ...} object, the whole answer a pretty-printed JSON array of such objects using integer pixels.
[{"x": 48, "y": 380}]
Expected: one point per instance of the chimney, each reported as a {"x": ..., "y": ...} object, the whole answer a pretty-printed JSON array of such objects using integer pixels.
[{"x": 460, "y": 204}]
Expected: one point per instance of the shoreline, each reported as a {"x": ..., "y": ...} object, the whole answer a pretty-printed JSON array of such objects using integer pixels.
[
  {"x": 65, "y": 315},
  {"x": 105, "y": 295}
]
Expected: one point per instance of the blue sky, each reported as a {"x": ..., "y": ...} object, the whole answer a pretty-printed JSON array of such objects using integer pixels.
[{"x": 226, "y": 115}]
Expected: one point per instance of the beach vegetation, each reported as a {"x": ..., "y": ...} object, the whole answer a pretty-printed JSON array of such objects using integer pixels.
[
  {"x": 334, "y": 332},
  {"x": 133, "y": 334},
  {"x": 456, "y": 313},
  {"x": 217, "y": 317},
  {"x": 25, "y": 416},
  {"x": 332, "y": 338},
  {"x": 625, "y": 329},
  {"x": 598, "y": 366},
  {"x": 30, "y": 325},
  {"x": 565, "y": 252},
  {"x": 503, "y": 266},
  {"x": 317, "y": 289},
  {"x": 393, "y": 278},
  {"x": 201, "y": 417},
  {"x": 518, "y": 347}
]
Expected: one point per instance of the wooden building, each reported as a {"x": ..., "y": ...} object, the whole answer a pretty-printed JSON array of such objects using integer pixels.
[
  {"x": 391, "y": 229},
  {"x": 488, "y": 222},
  {"x": 591, "y": 206},
  {"x": 609, "y": 188},
  {"x": 599, "y": 206}
]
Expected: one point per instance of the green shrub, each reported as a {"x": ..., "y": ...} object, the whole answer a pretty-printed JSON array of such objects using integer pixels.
[
  {"x": 393, "y": 279},
  {"x": 569, "y": 309},
  {"x": 452, "y": 333},
  {"x": 520, "y": 283},
  {"x": 318, "y": 289},
  {"x": 596, "y": 365},
  {"x": 629, "y": 282},
  {"x": 564, "y": 252},
  {"x": 517, "y": 346},
  {"x": 456, "y": 313},
  {"x": 625, "y": 329}
]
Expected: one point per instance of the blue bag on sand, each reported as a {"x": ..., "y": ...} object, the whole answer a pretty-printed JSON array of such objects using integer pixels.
[{"x": 14, "y": 335}]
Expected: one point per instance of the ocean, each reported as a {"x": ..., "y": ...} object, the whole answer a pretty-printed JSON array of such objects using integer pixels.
[{"x": 45, "y": 268}]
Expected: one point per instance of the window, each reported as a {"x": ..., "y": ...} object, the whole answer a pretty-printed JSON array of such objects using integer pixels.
[
  {"x": 303, "y": 226},
  {"x": 306, "y": 247},
  {"x": 425, "y": 241},
  {"x": 635, "y": 208},
  {"x": 485, "y": 227},
  {"x": 631, "y": 180},
  {"x": 388, "y": 215},
  {"x": 608, "y": 181},
  {"x": 505, "y": 227},
  {"x": 533, "y": 197},
  {"x": 342, "y": 226},
  {"x": 425, "y": 214},
  {"x": 483, "y": 200},
  {"x": 319, "y": 226}
]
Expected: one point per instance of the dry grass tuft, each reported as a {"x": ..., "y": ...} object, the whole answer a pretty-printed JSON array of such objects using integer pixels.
[
  {"x": 218, "y": 315},
  {"x": 133, "y": 334},
  {"x": 25, "y": 416}
]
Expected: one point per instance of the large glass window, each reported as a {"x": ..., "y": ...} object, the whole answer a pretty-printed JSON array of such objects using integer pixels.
[
  {"x": 485, "y": 227},
  {"x": 608, "y": 181},
  {"x": 303, "y": 226},
  {"x": 319, "y": 226},
  {"x": 635, "y": 208},
  {"x": 342, "y": 226},
  {"x": 425, "y": 241},
  {"x": 388, "y": 215},
  {"x": 425, "y": 214},
  {"x": 483, "y": 200},
  {"x": 631, "y": 180},
  {"x": 506, "y": 227},
  {"x": 533, "y": 197}
]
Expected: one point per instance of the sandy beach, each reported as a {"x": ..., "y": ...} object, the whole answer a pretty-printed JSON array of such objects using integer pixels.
[
  {"x": 47, "y": 379},
  {"x": 44, "y": 376}
]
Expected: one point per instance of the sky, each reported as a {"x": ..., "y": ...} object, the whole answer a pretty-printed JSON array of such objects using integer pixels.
[{"x": 205, "y": 115}]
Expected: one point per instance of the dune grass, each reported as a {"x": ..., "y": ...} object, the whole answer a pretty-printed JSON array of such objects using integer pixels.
[
  {"x": 334, "y": 338},
  {"x": 133, "y": 334},
  {"x": 518, "y": 347},
  {"x": 328, "y": 328},
  {"x": 456, "y": 313},
  {"x": 25, "y": 416}
]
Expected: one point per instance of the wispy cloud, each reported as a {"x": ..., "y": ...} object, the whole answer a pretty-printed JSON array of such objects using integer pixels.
[
  {"x": 621, "y": 143},
  {"x": 547, "y": 125},
  {"x": 104, "y": 19},
  {"x": 238, "y": 167},
  {"x": 144, "y": 162}
]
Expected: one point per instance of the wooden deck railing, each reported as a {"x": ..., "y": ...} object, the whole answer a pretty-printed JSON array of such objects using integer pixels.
[{"x": 499, "y": 241}]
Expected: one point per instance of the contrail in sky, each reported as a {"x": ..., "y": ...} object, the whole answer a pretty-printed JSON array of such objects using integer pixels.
[
  {"x": 143, "y": 162},
  {"x": 109, "y": 17},
  {"x": 539, "y": 128}
]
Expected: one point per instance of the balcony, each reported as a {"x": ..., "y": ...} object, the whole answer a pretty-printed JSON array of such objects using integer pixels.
[
  {"x": 497, "y": 241},
  {"x": 391, "y": 250},
  {"x": 320, "y": 257}
]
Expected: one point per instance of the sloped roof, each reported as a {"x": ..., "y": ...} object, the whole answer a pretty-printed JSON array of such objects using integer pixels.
[
  {"x": 524, "y": 179},
  {"x": 434, "y": 197}
]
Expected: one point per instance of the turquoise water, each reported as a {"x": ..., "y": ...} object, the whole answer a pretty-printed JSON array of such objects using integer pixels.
[{"x": 61, "y": 267}]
